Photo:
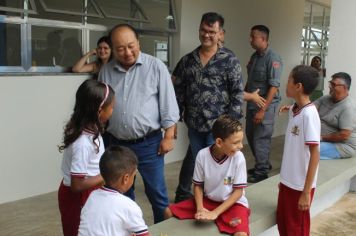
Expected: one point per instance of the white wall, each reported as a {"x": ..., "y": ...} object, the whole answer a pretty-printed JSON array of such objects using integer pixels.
[
  {"x": 342, "y": 45},
  {"x": 283, "y": 17},
  {"x": 35, "y": 108},
  {"x": 34, "y": 111}
]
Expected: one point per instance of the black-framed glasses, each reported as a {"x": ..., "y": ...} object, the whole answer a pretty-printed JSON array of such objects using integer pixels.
[
  {"x": 333, "y": 84},
  {"x": 210, "y": 33}
]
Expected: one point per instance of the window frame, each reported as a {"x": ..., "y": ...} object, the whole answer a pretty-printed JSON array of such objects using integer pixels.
[{"x": 26, "y": 21}]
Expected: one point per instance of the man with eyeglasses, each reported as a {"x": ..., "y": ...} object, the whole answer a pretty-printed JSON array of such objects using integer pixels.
[
  {"x": 208, "y": 82},
  {"x": 337, "y": 114}
]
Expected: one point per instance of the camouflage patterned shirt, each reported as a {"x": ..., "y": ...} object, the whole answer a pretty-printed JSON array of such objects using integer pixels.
[{"x": 204, "y": 93}]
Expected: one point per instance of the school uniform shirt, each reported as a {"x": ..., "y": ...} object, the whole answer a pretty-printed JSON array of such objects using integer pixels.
[
  {"x": 302, "y": 131},
  {"x": 220, "y": 177},
  {"x": 109, "y": 213},
  {"x": 81, "y": 158}
]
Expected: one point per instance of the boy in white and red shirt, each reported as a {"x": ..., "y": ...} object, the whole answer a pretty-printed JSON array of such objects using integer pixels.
[
  {"x": 301, "y": 155},
  {"x": 219, "y": 181},
  {"x": 107, "y": 211}
]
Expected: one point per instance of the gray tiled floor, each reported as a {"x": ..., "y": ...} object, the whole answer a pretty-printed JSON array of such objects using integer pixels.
[{"x": 40, "y": 216}]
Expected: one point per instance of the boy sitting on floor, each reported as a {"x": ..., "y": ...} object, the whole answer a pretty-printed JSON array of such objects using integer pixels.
[
  {"x": 107, "y": 211},
  {"x": 219, "y": 181}
]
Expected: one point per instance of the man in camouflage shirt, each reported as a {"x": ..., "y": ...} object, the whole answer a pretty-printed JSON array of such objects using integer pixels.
[{"x": 208, "y": 83}]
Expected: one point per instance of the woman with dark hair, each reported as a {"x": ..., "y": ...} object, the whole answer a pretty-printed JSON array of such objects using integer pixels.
[
  {"x": 103, "y": 53},
  {"x": 318, "y": 92}
]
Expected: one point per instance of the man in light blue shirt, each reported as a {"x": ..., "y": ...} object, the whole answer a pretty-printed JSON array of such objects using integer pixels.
[{"x": 145, "y": 103}]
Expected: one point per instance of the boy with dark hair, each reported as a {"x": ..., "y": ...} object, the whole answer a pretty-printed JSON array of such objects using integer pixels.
[
  {"x": 301, "y": 154},
  {"x": 107, "y": 211},
  {"x": 219, "y": 181}
]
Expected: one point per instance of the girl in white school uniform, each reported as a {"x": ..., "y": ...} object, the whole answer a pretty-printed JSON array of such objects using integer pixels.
[{"x": 83, "y": 147}]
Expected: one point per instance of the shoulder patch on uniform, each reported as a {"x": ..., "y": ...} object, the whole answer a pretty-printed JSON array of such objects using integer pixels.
[{"x": 276, "y": 64}]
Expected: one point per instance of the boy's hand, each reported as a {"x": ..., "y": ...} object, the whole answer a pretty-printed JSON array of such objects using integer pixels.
[
  {"x": 283, "y": 109},
  {"x": 304, "y": 201},
  {"x": 200, "y": 212},
  {"x": 206, "y": 215}
]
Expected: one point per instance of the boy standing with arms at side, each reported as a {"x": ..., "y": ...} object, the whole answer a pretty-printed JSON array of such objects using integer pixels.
[
  {"x": 301, "y": 155},
  {"x": 219, "y": 181},
  {"x": 108, "y": 212}
]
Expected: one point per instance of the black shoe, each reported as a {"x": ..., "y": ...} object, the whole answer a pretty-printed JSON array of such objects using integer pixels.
[
  {"x": 252, "y": 170},
  {"x": 256, "y": 178}
]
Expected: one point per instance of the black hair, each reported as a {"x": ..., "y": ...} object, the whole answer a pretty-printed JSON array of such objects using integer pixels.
[
  {"x": 107, "y": 40},
  {"x": 116, "y": 162},
  {"x": 344, "y": 77},
  {"x": 210, "y": 18},
  {"x": 90, "y": 94},
  {"x": 262, "y": 28},
  {"x": 130, "y": 27},
  {"x": 225, "y": 125},
  {"x": 306, "y": 75},
  {"x": 316, "y": 57}
]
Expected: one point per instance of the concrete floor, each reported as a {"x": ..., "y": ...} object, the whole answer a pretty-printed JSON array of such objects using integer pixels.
[{"x": 40, "y": 216}]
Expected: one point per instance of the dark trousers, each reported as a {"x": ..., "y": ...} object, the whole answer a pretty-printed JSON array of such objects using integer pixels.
[
  {"x": 259, "y": 137},
  {"x": 198, "y": 141},
  {"x": 185, "y": 177}
]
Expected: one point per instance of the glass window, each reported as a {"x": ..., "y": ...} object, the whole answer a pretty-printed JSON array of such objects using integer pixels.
[
  {"x": 15, "y": 7},
  {"x": 160, "y": 16},
  {"x": 55, "y": 46},
  {"x": 51, "y": 35},
  {"x": 156, "y": 46},
  {"x": 122, "y": 9},
  {"x": 10, "y": 44}
]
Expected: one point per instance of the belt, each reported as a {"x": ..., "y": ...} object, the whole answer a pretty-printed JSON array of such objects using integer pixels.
[{"x": 138, "y": 140}]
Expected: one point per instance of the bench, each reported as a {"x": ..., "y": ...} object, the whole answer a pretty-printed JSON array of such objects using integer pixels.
[{"x": 335, "y": 178}]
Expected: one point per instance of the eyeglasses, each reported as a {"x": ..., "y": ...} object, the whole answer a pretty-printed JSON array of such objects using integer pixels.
[
  {"x": 333, "y": 84},
  {"x": 210, "y": 33}
]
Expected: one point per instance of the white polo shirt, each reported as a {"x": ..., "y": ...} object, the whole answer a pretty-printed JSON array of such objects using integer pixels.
[
  {"x": 81, "y": 159},
  {"x": 303, "y": 130},
  {"x": 109, "y": 213},
  {"x": 220, "y": 177}
]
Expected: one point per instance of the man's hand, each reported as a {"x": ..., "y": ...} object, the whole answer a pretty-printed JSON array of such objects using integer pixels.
[
  {"x": 175, "y": 131},
  {"x": 166, "y": 145},
  {"x": 257, "y": 99},
  {"x": 259, "y": 117}
]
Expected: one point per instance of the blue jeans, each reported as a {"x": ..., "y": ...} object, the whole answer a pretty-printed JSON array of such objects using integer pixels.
[
  {"x": 151, "y": 168},
  {"x": 328, "y": 151},
  {"x": 198, "y": 141}
]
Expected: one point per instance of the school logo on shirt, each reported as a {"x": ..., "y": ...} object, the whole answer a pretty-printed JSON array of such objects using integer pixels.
[
  {"x": 295, "y": 130},
  {"x": 228, "y": 180},
  {"x": 234, "y": 222}
]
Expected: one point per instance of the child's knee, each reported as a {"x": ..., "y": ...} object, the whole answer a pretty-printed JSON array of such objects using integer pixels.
[{"x": 167, "y": 213}]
